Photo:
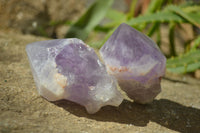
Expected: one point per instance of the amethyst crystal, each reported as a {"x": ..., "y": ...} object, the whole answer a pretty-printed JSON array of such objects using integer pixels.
[
  {"x": 69, "y": 69},
  {"x": 136, "y": 61}
]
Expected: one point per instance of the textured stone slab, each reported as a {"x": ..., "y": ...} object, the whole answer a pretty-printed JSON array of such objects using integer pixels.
[{"x": 176, "y": 109}]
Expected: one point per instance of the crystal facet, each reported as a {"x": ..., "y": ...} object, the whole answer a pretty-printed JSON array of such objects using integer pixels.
[
  {"x": 69, "y": 69},
  {"x": 136, "y": 61}
]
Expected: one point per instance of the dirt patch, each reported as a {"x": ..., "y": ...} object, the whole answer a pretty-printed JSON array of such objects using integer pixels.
[{"x": 176, "y": 108}]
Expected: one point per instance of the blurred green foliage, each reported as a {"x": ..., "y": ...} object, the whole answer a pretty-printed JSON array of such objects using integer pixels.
[
  {"x": 158, "y": 12},
  {"x": 89, "y": 20}
]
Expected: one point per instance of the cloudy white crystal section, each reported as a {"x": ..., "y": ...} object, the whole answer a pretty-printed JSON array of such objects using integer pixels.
[
  {"x": 136, "y": 61},
  {"x": 69, "y": 69}
]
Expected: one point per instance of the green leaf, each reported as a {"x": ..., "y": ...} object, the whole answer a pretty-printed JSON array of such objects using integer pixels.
[
  {"x": 99, "y": 44},
  {"x": 131, "y": 12},
  {"x": 95, "y": 44},
  {"x": 156, "y": 17},
  {"x": 188, "y": 62},
  {"x": 155, "y": 26},
  {"x": 89, "y": 20},
  {"x": 195, "y": 20},
  {"x": 115, "y": 15},
  {"x": 116, "y": 18},
  {"x": 154, "y": 6},
  {"x": 171, "y": 38},
  {"x": 196, "y": 43},
  {"x": 158, "y": 39},
  {"x": 195, "y": 17},
  {"x": 189, "y": 9}
]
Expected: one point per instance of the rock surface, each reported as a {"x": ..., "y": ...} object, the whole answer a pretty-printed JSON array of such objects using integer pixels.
[
  {"x": 136, "y": 61},
  {"x": 22, "y": 109},
  {"x": 69, "y": 69},
  {"x": 33, "y": 17}
]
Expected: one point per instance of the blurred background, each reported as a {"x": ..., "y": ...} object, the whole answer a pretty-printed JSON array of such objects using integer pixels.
[{"x": 172, "y": 24}]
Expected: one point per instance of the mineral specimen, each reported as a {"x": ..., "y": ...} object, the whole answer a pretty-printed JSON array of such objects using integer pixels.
[
  {"x": 136, "y": 61},
  {"x": 69, "y": 69}
]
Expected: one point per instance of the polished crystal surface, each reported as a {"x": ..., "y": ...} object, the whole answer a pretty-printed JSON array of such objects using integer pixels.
[
  {"x": 136, "y": 61},
  {"x": 69, "y": 69}
]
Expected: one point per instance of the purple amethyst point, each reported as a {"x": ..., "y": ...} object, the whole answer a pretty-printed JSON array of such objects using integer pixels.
[
  {"x": 69, "y": 69},
  {"x": 136, "y": 61}
]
